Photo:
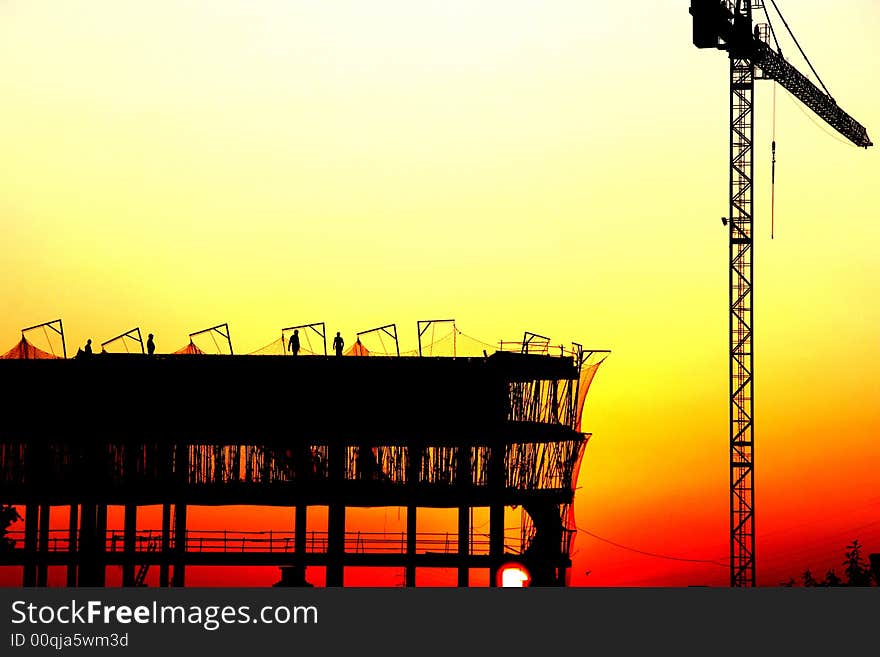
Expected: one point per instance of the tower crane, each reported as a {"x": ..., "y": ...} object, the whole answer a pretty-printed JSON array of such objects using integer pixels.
[{"x": 728, "y": 26}]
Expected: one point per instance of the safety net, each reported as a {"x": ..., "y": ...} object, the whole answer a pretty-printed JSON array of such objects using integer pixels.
[
  {"x": 191, "y": 348},
  {"x": 311, "y": 343},
  {"x": 588, "y": 372},
  {"x": 25, "y": 350},
  {"x": 357, "y": 349}
]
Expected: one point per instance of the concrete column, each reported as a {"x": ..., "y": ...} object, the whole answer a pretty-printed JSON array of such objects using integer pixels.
[
  {"x": 31, "y": 525},
  {"x": 72, "y": 527},
  {"x": 165, "y": 563},
  {"x": 179, "y": 545},
  {"x": 129, "y": 545},
  {"x": 464, "y": 526},
  {"x": 86, "y": 547},
  {"x": 411, "y": 545},
  {"x": 496, "y": 511},
  {"x": 299, "y": 540},
  {"x": 413, "y": 468},
  {"x": 181, "y": 478},
  {"x": 43, "y": 551},
  {"x": 335, "y": 544},
  {"x": 463, "y": 484},
  {"x": 496, "y": 540},
  {"x": 336, "y": 517},
  {"x": 101, "y": 545}
]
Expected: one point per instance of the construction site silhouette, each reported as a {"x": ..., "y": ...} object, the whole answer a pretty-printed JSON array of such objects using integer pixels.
[{"x": 188, "y": 429}]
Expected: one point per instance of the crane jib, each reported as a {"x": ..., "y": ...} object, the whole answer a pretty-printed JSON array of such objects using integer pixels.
[
  {"x": 774, "y": 67},
  {"x": 716, "y": 26}
]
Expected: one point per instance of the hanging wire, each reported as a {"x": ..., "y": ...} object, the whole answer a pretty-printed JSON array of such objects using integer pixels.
[
  {"x": 822, "y": 126},
  {"x": 652, "y": 554},
  {"x": 802, "y": 550},
  {"x": 271, "y": 345}
]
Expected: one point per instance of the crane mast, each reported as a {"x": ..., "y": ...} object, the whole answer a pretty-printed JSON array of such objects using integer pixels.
[
  {"x": 729, "y": 26},
  {"x": 739, "y": 224}
]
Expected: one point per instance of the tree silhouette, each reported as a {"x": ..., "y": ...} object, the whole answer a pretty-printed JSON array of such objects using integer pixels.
[
  {"x": 8, "y": 515},
  {"x": 831, "y": 579},
  {"x": 808, "y": 580},
  {"x": 856, "y": 570}
]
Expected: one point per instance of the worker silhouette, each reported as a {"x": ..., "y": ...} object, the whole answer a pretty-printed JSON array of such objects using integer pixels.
[
  {"x": 293, "y": 343},
  {"x": 338, "y": 344},
  {"x": 151, "y": 346},
  {"x": 87, "y": 350}
]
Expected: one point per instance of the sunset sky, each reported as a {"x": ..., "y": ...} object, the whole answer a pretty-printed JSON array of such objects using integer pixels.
[{"x": 553, "y": 166}]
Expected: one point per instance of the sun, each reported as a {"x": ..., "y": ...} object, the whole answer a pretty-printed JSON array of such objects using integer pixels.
[{"x": 514, "y": 575}]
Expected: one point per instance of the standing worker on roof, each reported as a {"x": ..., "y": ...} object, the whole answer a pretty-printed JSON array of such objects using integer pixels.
[{"x": 338, "y": 344}]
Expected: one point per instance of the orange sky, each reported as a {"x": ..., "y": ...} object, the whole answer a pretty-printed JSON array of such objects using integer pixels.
[{"x": 557, "y": 167}]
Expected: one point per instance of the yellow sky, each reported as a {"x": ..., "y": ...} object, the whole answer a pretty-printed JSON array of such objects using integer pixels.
[{"x": 559, "y": 167}]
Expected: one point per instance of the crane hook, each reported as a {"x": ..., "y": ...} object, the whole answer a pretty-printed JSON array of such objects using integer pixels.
[{"x": 773, "y": 189}]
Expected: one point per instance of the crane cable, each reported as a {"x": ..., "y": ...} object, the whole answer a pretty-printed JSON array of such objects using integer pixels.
[
  {"x": 772, "y": 30},
  {"x": 773, "y": 141},
  {"x": 794, "y": 38},
  {"x": 773, "y": 171}
]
